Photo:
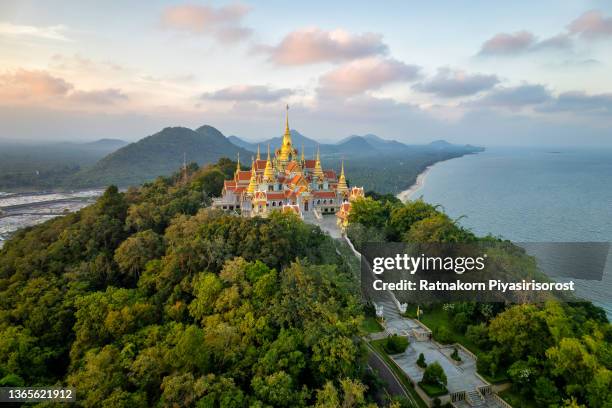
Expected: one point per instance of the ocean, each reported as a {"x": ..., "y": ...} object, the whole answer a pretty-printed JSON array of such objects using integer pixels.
[{"x": 531, "y": 195}]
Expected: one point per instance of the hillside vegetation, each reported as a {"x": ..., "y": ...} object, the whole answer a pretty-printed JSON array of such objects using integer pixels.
[{"x": 158, "y": 155}]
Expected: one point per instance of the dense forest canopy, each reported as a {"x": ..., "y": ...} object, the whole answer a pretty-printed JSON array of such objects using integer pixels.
[{"x": 150, "y": 298}]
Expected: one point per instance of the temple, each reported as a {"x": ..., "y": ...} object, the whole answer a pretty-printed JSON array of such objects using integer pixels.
[{"x": 288, "y": 182}]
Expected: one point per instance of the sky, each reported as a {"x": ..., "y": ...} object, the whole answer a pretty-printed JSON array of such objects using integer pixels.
[{"x": 525, "y": 73}]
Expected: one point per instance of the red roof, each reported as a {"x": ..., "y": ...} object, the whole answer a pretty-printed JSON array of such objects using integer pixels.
[
  {"x": 244, "y": 175},
  {"x": 295, "y": 179},
  {"x": 310, "y": 164},
  {"x": 229, "y": 183},
  {"x": 275, "y": 195},
  {"x": 292, "y": 165},
  {"x": 330, "y": 174},
  {"x": 324, "y": 194},
  {"x": 239, "y": 190},
  {"x": 260, "y": 164}
]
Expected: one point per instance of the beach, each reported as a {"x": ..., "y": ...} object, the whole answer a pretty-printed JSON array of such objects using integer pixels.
[{"x": 420, "y": 182}]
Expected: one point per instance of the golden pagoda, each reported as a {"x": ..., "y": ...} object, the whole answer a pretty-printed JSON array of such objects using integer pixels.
[
  {"x": 253, "y": 182},
  {"x": 269, "y": 170},
  {"x": 286, "y": 151},
  {"x": 342, "y": 186},
  {"x": 318, "y": 170}
]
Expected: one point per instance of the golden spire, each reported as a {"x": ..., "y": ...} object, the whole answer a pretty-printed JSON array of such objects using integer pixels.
[
  {"x": 318, "y": 170},
  {"x": 269, "y": 171},
  {"x": 258, "y": 156},
  {"x": 342, "y": 187},
  {"x": 253, "y": 181},
  {"x": 237, "y": 164},
  {"x": 286, "y": 148},
  {"x": 302, "y": 159}
]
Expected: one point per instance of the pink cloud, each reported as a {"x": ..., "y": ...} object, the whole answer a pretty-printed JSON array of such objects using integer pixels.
[
  {"x": 366, "y": 74},
  {"x": 592, "y": 24},
  {"x": 25, "y": 84},
  {"x": 313, "y": 45},
  {"x": 223, "y": 23},
  {"x": 504, "y": 43},
  {"x": 23, "y": 87}
]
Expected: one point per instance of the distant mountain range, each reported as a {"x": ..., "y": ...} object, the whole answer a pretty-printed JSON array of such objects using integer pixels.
[
  {"x": 159, "y": 154},
  {"x": 354, "y": 145}
]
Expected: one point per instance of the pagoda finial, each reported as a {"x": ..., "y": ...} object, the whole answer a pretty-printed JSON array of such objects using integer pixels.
[
  {"x": 238, "y": 162},
  {"x": 302, "y": 158},
  {"x": 258, "y": 155},
  {"x": 287, "y": 118}
]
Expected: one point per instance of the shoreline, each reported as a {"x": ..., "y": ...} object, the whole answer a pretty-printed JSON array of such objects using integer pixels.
[{"x": 418, "y": 184}]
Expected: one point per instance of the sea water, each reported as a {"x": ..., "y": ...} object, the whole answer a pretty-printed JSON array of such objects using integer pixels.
[{"x": 532, "y": 195}]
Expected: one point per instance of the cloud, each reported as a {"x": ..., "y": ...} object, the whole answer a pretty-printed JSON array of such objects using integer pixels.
[
  {"x": 25, "y": 84},
  {"x": 23, "y": 87},
  {"x": 521, "y": 42},
  {"x": 313, "y": 45},
  {"x": 452, "y": 83},
  {"x": 504, "y": 43},
  {"x": 591, "y": 24},
  {"x": 366, "y": 74},
  {"x": 99, "y": 97},
  {"x": 223, "y": 23},
  {"x": 580, "y": 102},
  {"x": 514, "y": 97},
  {"x": 56, "y": 32},
  {"x": 250, "y": 93}
]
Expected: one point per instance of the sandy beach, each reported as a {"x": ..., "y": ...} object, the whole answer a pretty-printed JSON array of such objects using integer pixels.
[{"x": 420, "y": 181}]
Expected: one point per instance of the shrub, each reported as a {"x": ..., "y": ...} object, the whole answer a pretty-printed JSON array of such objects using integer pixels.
[
  {"x": 434, "y": 374},
  {"x": 421, "y": 361},
  {"x": 455, "y": 355},
  {"x": 395, "y": 344}
]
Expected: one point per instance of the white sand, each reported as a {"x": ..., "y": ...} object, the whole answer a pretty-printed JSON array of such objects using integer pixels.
[{"x": 420, "y": 182}]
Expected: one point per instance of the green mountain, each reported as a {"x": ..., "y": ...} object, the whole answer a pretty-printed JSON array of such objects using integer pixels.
[{"x": 158, "y": 155}]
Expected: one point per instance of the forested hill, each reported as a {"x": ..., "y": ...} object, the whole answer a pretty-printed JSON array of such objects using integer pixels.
[
  {"x": 158, "y": 155},
  {"x": 148, "y": 298}
]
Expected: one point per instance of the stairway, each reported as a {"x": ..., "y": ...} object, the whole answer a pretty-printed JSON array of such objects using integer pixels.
[{"x": 476, "y": 399}]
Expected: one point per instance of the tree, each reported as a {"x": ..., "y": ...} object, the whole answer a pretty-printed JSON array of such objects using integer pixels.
[
  {"x": 369, "y": 213},
  {"x": 403, "y": 217},
  {"x": 434, "y": 374},
  {"x": 545, "y": 393},
  {"x": 134, "y": 253}
]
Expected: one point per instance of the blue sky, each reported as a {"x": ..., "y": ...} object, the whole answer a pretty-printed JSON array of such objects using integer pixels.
[{"x": 469, "y": 72}]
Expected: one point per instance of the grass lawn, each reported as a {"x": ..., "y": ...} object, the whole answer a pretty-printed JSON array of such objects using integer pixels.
[
  {"x": 516, "y": 400},
  {"x": 378, "y": 346},
  {"x": 371, "y": 325},
  {"x": 437, "y": 317},
  {"x": 433, "y": 390}
]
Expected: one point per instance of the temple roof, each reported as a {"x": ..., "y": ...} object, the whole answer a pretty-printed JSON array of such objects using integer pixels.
[
  {"x": 244, "y": 175},
  {"x": 324, "y": 194},
  {"x": 330, "y": 174}
]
